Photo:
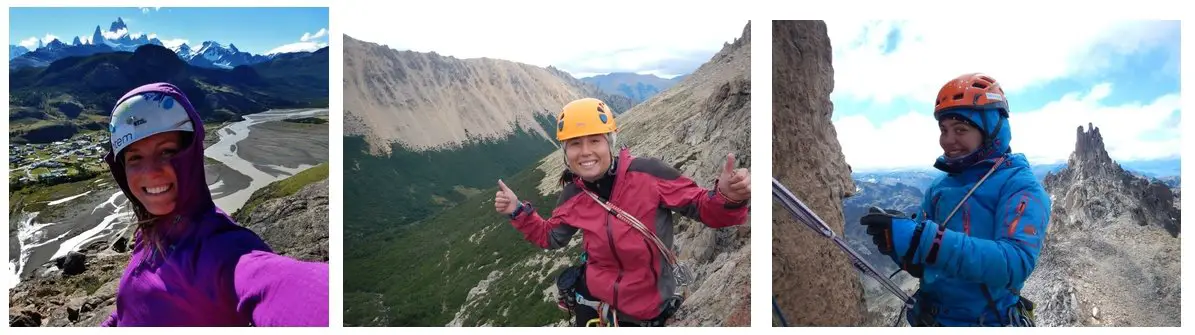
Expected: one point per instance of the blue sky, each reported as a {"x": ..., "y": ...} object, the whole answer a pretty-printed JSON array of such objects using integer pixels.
[
  {"x": 1121, "y": 76},
  {"x": 255, "y": 30}
]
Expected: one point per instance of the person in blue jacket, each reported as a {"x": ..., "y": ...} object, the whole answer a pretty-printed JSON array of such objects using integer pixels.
[{"x": 982, "y": 224}]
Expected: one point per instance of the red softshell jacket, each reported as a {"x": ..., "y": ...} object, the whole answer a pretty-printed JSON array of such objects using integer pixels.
[{"x": 624, "y": 269}]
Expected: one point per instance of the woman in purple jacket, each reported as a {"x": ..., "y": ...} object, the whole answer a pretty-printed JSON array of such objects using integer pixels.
[{"x": 191, "y": 264}]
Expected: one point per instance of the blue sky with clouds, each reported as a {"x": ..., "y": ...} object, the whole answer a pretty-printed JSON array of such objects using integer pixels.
[
  {"x": 255, "y": 30},
  {"x": 1121, "y": 76}
]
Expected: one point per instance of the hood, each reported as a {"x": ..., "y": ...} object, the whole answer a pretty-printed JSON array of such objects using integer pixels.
[
  {"x": 996, "y": 137},
  {"x": 193, "y": 194}
]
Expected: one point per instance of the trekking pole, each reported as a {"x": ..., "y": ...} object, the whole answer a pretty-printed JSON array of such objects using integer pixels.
[{"x": 802, "y": 214}]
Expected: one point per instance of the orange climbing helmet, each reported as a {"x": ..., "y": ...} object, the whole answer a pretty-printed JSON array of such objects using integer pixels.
[
  {"x": 973, "y": 91},
  {"x": 584, "y": 117}
]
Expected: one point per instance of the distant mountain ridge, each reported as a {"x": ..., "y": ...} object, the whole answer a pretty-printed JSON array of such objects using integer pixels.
[
  {"x": 210, "y": 54},
  {"x": 637, "y": 87},
  {"x": 425, "y": 101},
  {"x": 76, "y": 93}
]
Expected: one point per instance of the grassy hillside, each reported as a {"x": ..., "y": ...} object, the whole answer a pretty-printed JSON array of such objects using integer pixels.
[
  {"x": 420, "y": 274},
  {"x": 421, "y": 231},
  {"x": 408, "y": 186},
  {"x": 282, "y": 188}
]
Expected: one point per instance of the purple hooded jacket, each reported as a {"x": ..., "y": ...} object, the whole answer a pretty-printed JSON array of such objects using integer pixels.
[{"x": 214, "y": 272}]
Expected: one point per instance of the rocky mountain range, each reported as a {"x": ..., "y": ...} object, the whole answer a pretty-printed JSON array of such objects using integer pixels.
[
  {"x": 424, "y": 101},
  {"x": 1112, "y": 253},
  {"x": 475, "y": 269},
  {"x": 118, "y": 37},
  {"x": 77, "y": 93},
  {"x": 15, "y": 51},
  {"x": 637, "y": 87}
]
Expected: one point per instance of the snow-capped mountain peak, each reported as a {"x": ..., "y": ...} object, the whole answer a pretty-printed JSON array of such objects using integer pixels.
[
  {"x": 55, "y": 45},
  {"x": 118, "y": 37},
  {"x": 118, "y": 25}
]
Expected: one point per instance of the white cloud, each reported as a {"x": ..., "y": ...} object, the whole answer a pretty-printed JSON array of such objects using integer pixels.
[
  {"x": 85, "y": 39},
  {"x": 173, "y": 44},
  {"x": 112, "y": 35},
  {"x": 575, "y": 42},
  {"x": 308, "y": 36},
  {"x": 145, "y": 10},
  {"x": 1019, "y": 55},
  {"x": 297, "y": 47},
  {"x": 908, "y": 141},
  {"x": 29, "y": 43},
  {"x": 48, "y": 38},
  {"x": 1131, "y": 131}
]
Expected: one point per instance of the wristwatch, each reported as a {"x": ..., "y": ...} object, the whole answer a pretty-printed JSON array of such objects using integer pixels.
[{"x": 518, "y": 211}]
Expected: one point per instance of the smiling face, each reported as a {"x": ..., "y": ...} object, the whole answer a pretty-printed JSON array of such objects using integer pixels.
[
  {"x": 149, "y": 173},
  {"x": 958, "y": 138},
  {"x": 588, "y": 156}
]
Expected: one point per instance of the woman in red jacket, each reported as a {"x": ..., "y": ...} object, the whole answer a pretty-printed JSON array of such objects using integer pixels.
[{"x": 623, "y": 207}]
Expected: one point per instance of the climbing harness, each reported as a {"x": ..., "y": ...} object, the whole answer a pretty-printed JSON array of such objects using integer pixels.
[
  {"x": 569, "y": 298},
  {"x": 803, "y": 214},
  {"x": 681, "y": 275}
]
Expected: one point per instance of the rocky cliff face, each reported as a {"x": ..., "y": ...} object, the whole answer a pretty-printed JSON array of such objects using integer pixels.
[
  {"x": 426, "y": 101},
  {"x": 295, "y": 225},
  {"x": 77, "y": 291},
  {"x": 693, "y": 126},
  {"x": 813, "y": 282},
  {"x": 1111, "y": 256}
]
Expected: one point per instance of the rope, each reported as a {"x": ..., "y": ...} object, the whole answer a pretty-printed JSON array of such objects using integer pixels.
[{"x": 681, "y": 275}]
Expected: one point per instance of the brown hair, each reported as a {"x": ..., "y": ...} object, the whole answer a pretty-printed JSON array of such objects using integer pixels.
[{"x": 146, "y": 223}]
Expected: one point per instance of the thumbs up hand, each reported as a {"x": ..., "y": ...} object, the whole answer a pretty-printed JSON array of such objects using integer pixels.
[
  {"x": 734, "y": 184},
  {"x": 505, "y": 200}
]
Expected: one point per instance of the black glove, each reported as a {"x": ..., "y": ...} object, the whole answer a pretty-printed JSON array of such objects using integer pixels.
[
  {"x": 879, "y": 226},
  {"x": 895, "y": 235}
]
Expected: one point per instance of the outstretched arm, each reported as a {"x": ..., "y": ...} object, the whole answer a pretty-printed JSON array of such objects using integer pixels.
[
  {"x": 275, "y": 290},
  {"x": 713, "y": 208},
  {"x": 1004, "y": 261},
  {"x": 552, "y": 233}
]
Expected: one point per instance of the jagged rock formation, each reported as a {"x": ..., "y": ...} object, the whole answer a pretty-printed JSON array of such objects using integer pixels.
[
  {"x": 1111, "y": 256},
  {"x": 428, "y": 101},
  {"x": 813, "y": 282}
]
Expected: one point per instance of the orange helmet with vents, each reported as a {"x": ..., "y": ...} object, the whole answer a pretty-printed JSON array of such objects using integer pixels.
[
  {"x": 973, "y": 91},
  {"x": 584, "y": 117}
]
